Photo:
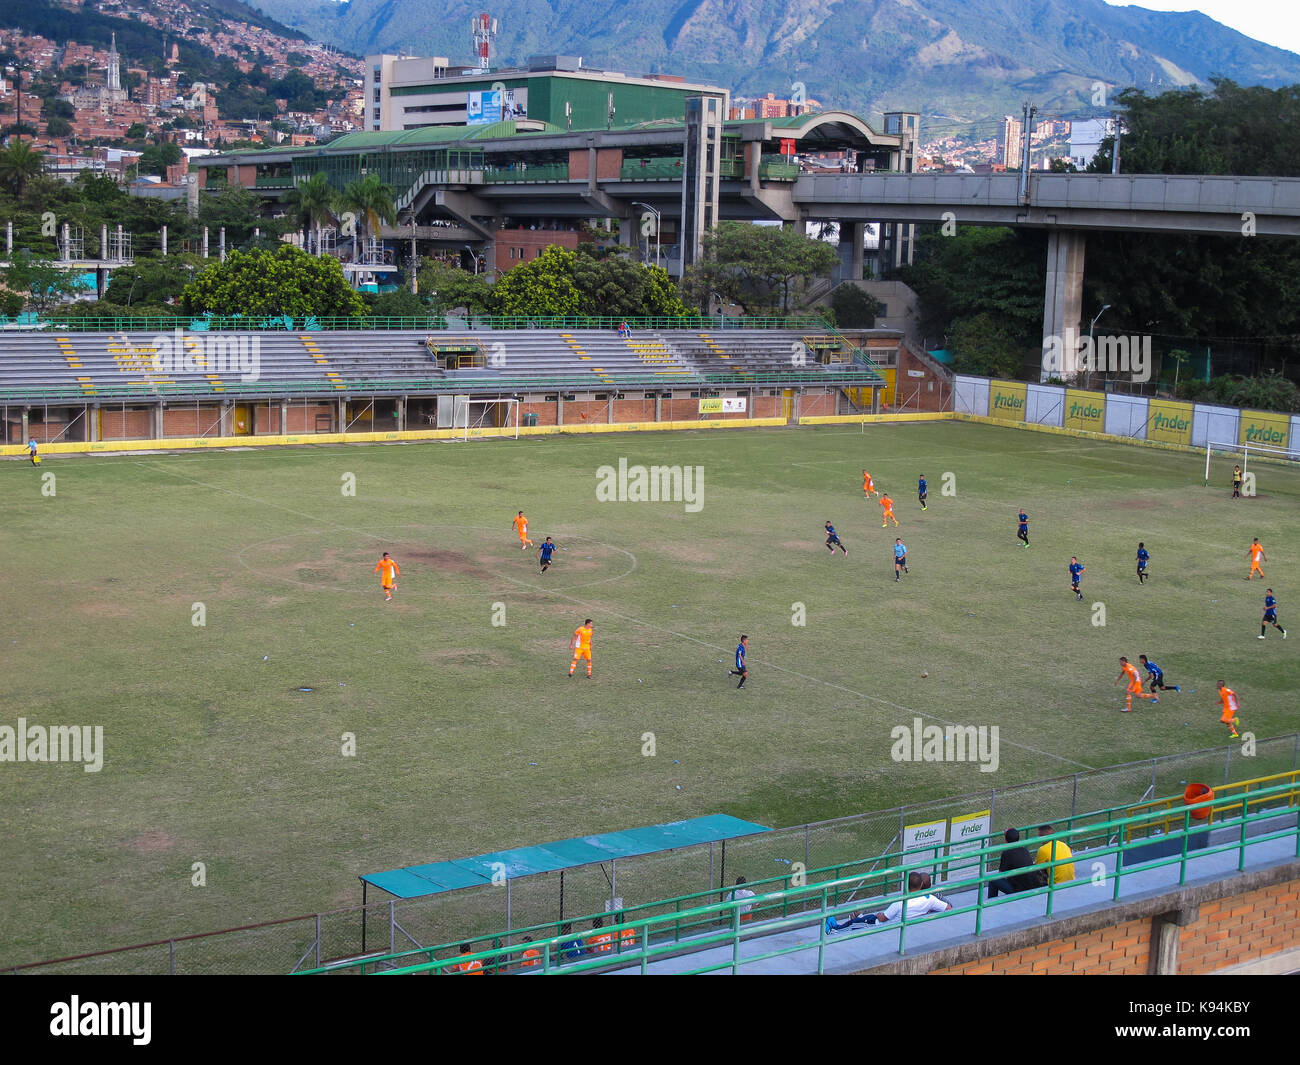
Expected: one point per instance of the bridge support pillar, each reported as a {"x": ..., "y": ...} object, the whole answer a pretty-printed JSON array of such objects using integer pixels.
[{"x": 1063, "y": 303}]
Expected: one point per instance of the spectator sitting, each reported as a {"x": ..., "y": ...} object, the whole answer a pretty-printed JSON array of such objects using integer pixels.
[
  {"x": 1054, "y": 850},
  {"x": 1016, "y": 858},
  {"x": 833, "y": 925},
  {"x": 741, "y": 892},
  {"x": 917, "y": 907},
  {"x": 473, "y": 967},
  {"x": 602, "y": 942},
  {"x": 626, "y": 936},
  {"x": 531, "y": 957},
  {"x": 571, "y": 948}
]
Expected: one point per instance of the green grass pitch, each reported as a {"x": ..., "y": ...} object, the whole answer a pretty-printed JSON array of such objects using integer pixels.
[{"x": 470, "y": 737}]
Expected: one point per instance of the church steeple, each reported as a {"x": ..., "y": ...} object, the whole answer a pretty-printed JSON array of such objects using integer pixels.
[{"x": 114, "y": 80}]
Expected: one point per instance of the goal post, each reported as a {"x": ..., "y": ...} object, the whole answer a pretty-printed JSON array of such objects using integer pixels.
[
  {"x": 482, "y": 418},
  {"x": 1245, "y": 453}
]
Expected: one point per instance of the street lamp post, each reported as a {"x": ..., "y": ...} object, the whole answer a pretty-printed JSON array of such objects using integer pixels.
[
  {"x": 473, "y": 256},
  {"x": 1091, "y": 348},
  {"x": 655, "y": 212}
]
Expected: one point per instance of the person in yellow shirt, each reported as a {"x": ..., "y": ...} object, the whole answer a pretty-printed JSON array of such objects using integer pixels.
[
  {"x": 887, "y": 510},
  {"x": 868, "y": 485},
  {"x": 388, "y": 574},
  {"x": 521, "y": 527},
  {"x": 1052, "y": 851},
  {"x": 1128, "y": 669},
  {"x": 582, "y": 646},
  {"x": 1256, "y": 557}
]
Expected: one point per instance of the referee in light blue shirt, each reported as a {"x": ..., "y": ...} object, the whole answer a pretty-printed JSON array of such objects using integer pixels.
[{"x": 900, "y": 559}]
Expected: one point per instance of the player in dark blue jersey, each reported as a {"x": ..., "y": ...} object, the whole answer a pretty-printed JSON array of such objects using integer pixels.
[
  {"x": 900, "y": 558},
  {"x": 1143, "y": 557},
  {"x": 1270, "y": 614},
  {"x": 922, "y": 492},
  {"x": 1022, "y": 533},
  {"x": 741, "y": 671},
  {"x": 832, "y": 540},
  {"x": 1076, "y": 575},
  {"x": 545, "y": 552},
  {"x": 1156, "y": 675}
]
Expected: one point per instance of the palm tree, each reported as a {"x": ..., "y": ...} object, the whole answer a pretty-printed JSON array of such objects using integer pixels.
[
  {"x": 312, "y": 205},
  {"x": 19, "y": 163},
  {"x": 372, "y": 203}
]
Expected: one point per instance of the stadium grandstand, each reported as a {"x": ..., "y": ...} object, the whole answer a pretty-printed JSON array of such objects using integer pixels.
[{"x": 62, "y": 386}]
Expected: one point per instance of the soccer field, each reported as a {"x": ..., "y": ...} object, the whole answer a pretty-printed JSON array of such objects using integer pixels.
[{"x": 469, "y": 735}]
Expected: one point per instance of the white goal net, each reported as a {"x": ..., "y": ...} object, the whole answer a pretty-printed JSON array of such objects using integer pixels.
[{"x": 1221, "y": 458}]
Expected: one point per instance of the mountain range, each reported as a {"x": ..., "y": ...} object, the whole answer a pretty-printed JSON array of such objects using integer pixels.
[{"x": 957, "y": 61}]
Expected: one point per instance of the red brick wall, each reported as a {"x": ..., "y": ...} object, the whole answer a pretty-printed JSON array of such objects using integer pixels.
[
  {"x": 1245, "y": 928},
  {"x": 817, "y": 406},
  {"x": 1228, "y": 932},
  {"x": 609, "y": 162},
  {"x": 128, "y": 425},
  {"x": 302, "y": 419},
  {"x": 190, "y": 421},
  {"x": 935, "y": 393}
]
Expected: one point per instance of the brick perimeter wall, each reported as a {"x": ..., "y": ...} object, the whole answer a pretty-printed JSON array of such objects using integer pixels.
[
  {"x": 126, "y": 425},
  {"x": 189, "y": 421},
  {"x": 1227, "y": 932}
]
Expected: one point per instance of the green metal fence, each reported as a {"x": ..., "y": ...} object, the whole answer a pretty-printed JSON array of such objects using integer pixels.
[
  {"x": 797, "y": 907},
  {"x": 276, "y": 323}
]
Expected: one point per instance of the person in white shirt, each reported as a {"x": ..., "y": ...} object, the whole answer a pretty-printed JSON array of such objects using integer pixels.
[
  {"x": 741, "y": 892},
  {"x": 917, "y": 907}
]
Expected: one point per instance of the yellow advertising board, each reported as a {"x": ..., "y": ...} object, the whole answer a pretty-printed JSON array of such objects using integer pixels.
[
  {"x": 1085, "y": 410},
  {"x": 711, "y": 406},
  {"x": 1169, "y": 422},
  {"x": 1007, "y": 400},
  {"x": 1262, "y": 427}
]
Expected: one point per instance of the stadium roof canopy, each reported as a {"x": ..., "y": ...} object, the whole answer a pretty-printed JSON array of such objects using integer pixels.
[{"x": 417, "y": 881}]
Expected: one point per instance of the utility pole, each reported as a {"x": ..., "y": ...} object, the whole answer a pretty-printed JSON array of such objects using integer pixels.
[
  {"x": 1114, "y": 155},
  {"x": 1029, "y": 112}
]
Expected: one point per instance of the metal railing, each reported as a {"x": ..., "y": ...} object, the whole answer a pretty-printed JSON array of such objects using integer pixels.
[
  {"x": 804, "y": 905},
  {"x": 544, "y": 172},
  {"x": 1079, "y": 801},
  {"x": 325, "y": 324}
]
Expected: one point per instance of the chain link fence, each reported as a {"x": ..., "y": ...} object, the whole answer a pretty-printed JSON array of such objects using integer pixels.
[{"x": 771, "y": 861}]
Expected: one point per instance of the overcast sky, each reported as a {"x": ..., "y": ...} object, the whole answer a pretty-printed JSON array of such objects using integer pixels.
[{"x": 1275, "y": 22}]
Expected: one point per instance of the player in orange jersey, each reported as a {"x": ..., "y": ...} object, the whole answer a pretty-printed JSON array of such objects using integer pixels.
[
  {"x": 521, "y": 527},
  {"x": 887, "y": 510},
  {"x": 1256, "y": 557},
  {"x": 581, "y": 646},
  {"x": 868, "y": 485},
  {"x": 1230, "y": 707},
  {"x": 1128, "y": 669},
  {"x": 388, "y": 574}
]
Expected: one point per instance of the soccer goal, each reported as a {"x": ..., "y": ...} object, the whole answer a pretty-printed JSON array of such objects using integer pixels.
[
  {"x": 1241, "y": 454},
  {"x": 481, "y": 418}
]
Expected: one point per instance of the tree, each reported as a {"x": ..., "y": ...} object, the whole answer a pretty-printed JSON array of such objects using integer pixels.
[
  {"x": 44, "y": 282},
  {"x": 58, "y": 127},
  {"x": 400, "y": 304},
  {"x": 371, "y": 202},
  {"x": 614, "y": 286},
  {"x": 1001, "y": 271},
  {"x": 457, "y": 289},
  {"x": 758, "y": 267},
  {"x": 854, "y": 307},
  {"x": 19, "y": 163},
  {"x": 984, "y": 346},
  {"x": 153, "y": 281},
  {"x": 156, "y": 158},
  {"x": 236, "y": 209},
  {"x": 543, "y": 286},
  {"x": 286, "y": 281},
  {"x": 310, "y": 205}
]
